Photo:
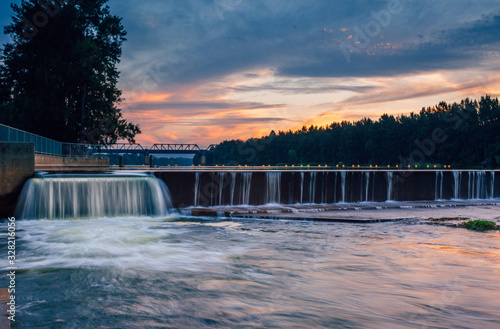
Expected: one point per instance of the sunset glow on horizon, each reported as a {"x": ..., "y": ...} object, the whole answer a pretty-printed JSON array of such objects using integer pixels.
[
  {"x": 205, "y": 72},
  {"x": 208, "y": 71}
]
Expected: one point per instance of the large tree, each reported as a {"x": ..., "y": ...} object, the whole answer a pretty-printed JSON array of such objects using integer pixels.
[{"x": 58, "y": 78}]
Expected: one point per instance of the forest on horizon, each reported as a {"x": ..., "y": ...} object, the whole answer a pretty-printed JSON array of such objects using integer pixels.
[{"x": 464, "y": 134}]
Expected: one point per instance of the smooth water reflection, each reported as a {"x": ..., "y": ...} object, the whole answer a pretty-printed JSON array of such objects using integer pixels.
[{"x": 186, "y": 273}]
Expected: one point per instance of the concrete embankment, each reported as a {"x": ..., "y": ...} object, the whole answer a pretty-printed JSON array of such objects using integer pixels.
[
  {"x": 18, "y": 163},
  {"x": 57, "y": 163}
]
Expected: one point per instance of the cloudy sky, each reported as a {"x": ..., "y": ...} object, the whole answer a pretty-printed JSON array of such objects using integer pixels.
[{"x": 204, "y": 71}]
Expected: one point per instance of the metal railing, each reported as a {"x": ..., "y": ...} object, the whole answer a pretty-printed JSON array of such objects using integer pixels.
[{"x": 43, "y": 145}]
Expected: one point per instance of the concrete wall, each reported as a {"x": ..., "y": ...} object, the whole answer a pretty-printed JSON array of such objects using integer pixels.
[
  {"x": 50, "y": 162},
  {"x": 17, "y": 165},
  {"x": 326, "y": 186}
]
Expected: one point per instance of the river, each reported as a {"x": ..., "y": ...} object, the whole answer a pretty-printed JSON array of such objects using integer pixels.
[{"x": 184, "y": 272}]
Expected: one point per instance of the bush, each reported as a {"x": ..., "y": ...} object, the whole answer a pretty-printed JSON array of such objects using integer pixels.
[{"x": 480, "y": 225}]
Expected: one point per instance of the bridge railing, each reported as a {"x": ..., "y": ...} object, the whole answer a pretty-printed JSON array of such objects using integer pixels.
[
  {"x": 176, "y": 147},
  {"x": 51, "y": 147}
]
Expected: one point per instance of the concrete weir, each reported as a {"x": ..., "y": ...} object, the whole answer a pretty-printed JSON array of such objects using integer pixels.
[
  {"x": 205, "y": 188},
  {"x": 17, "y": 164}
]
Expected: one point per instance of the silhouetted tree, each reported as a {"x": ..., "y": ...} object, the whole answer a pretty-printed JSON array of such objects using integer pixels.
[{"x": 58, "y": 78}]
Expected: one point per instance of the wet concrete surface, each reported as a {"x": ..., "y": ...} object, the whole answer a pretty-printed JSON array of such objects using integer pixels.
[{"x": 360, "y": 212}]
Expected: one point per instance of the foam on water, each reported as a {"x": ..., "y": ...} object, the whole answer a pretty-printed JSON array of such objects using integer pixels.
[{"x": 157, "y": 244}]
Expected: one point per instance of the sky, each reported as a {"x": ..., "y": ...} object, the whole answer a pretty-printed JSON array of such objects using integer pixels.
[{"x": 205, "y": 71}]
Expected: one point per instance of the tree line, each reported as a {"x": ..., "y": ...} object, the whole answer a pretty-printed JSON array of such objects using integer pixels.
[{"x": 464, "y": 134}]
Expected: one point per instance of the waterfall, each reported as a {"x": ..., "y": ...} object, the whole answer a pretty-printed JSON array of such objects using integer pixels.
[
  {"x": 343, "y": 176},
  {"x": 480, "y": 185},
  {"x": 367, "y": 187},
  {"x": 312, "y": 187},
  {"x": 246, "y": 183},
  {"x": 335, "y": 189},
  {"x": 438, "y": 186},
  {"x": 197, "y": 189},
  {"x": 273, "y": 186},
  {"x": 65, "y": 196},
  {"x": 232, "y": 186},
  {"x": 389, "y": 185},
  {"x": 301, "y": 187},
  {"x": 477, "y": 187},
  {"x": 492, "y": 185},
  {"x": 457, "y": 183},
  {"x": 470, "y": 185}
]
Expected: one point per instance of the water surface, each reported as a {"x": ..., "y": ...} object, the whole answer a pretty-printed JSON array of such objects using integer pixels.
[{"x": 184, "y": 272}]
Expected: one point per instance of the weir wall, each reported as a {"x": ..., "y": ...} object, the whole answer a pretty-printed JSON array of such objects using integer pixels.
[
  {"x": 206, "y": 188},
  {"x": 17, "y": 164}
]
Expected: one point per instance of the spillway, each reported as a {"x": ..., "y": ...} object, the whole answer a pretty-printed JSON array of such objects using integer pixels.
[
  {"x": 216, "y": 188},
  {"x": 80, "y": 196}
]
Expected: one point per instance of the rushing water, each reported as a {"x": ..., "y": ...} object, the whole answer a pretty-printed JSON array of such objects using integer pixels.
[
  {"x": 220, "y": 188},
  {"x": 180, "y": 272},
  {"x": 91, "y": 196},
  {"x": 109, "y": 252}
]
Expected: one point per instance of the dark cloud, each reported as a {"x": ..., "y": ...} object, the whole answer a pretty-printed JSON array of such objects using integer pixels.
[
  {"x": 197, "y": 108},
  {"x": 202, "y": 40},
  {"x": 308, "y": 89},
  {"x": 206, "y": 40},
  {"x": 229, "y": 121}
]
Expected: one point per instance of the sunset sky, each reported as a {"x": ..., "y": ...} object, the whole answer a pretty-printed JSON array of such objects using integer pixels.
[{"x": 206, "y": 71}]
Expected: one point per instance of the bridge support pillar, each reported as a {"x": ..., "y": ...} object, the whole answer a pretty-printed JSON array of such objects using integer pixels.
[
  {"x": 146, "y": 159},
  {"x": 121, "y": 161}
]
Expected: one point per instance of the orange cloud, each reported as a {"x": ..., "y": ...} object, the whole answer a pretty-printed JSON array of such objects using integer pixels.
[{"x": 252, "y": 104}]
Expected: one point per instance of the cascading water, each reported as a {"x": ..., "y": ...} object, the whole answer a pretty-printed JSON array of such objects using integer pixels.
[
  {"x": 64, "y": 196},
  {"x": 343, "y": 177},
  {"x": 367, "y": 187},
  {"x": 470, "y": 186},
  {"x": 457, "y": 183},
  {"x": 335, "y": 189},
  {"x": 232, "y": 186},
  {"x": 480, "y": 185},
  {"x": 197, "y": 188},
  {"x": 246, "y": 185},
  {"x": 312, "y": 186},
  {"x": 273, "y": 187},
  {"x": 301, "y": 187},
  {"x": 492, "y": 185},
  {"x": 389, "y": 185}
]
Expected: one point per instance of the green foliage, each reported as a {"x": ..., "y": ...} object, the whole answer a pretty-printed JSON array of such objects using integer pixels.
[
  {"x": 58, "y": 79},
  {"x": 461, "y": 134},
  {"x": 480, "y": 225}
]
